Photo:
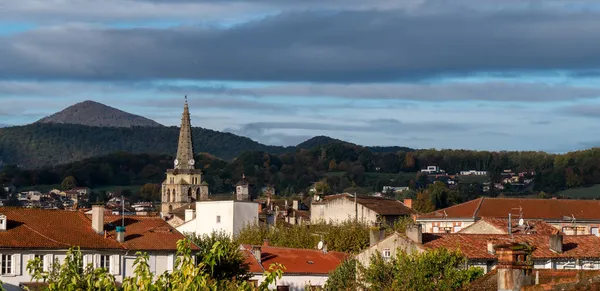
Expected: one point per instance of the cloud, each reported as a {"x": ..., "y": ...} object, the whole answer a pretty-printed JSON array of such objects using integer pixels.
[
  {"x": 582, "y": 110},
  {"x": 314, "y": 46}
]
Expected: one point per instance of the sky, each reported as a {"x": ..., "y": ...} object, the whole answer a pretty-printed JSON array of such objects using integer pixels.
[{"x": 479, "y": 74}]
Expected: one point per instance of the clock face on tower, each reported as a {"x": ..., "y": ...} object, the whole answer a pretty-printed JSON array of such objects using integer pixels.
[
  {"x": 191, "y": 162},
  {"x": 176, "y": 162}
]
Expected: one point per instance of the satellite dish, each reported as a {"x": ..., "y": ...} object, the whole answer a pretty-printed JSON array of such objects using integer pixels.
[
  {"x": 521, "y": 222},
  {"x": 320, "y": 245}
]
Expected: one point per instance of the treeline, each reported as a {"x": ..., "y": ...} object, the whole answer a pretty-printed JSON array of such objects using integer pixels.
[{"x": 344, "y": 166}]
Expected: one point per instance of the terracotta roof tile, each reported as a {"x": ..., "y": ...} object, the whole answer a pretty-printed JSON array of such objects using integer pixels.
[
  {"x": 547, "y": 277},
  {"x": 530, "y": 226},
  {"x": 554, "y": 209},
  {"x": 296, "y": 261},
  {"x": 474, "y": 246},
  {"x": 58, "y": 229}
]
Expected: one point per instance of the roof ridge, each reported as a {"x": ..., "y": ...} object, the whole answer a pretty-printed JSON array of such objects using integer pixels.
[{"x": 478, "y": 206}]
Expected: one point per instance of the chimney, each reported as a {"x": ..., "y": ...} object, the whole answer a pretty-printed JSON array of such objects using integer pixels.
[
  {"x": 556, "y": 243},
  {"x": 490, "y": 247},
  {"x": 265, "y": 242},
  {"x": 189, "y": 214},
  {"x": 286, "y": 204},
  {"x": 295, "y": 204},
  {"x": 408, "y": 203},
  {"x": 415, "y": 233},
  {"x": 376, "y": 234},
  {"x": 120, "y": 233},
  {"x": 514, "y": 267},
  {"x": 257, "y": 253},
  {"x": 98, "y": 218},
  {"x": 324, "y": 247},
  {"x": 3, "y": 222}
]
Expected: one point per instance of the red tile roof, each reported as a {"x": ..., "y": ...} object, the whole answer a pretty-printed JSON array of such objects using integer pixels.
[
  {"x": 474, "y": 246},
  {"x": 381, "y": 205},
  {"x": 547, "y": 277},
  {"x": 549, "y": 209},
  {"x": 58, "y": 229},
  {"x": 295, "y": 261}
]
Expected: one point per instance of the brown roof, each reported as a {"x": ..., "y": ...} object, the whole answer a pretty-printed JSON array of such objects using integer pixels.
[
  {"x": 295, "y": 261},
  {"x": 381, "y": 205},
  {"x": 547, "y": 277},
  {"x": 529, "y": 227},
  {"x": 474, "y": 246},
  {"x": 59, "y": 229},
  {"x": 180, "y": 211},
  {"x": 549, "y": 209}
]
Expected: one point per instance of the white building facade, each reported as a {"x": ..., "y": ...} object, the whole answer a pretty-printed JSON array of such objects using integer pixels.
[{"x": 228, "y": 216}]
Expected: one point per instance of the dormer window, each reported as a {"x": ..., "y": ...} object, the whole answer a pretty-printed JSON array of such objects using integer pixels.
[{"x": 3, "y": 222}]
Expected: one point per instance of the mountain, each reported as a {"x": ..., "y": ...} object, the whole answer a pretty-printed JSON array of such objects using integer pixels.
[
  {"x": 92, "y": 113},
  {"x": 319, "y": 141}
]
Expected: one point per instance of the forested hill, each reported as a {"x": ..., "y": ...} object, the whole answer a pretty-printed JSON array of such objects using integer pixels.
[{"x": 40, "y": 144}]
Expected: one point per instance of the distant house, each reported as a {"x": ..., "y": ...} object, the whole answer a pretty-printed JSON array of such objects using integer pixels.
[
  {"x": 367, "y": 209},
  {"x": 387, "y": 189},
  {"x": 432, "y": 170},
  {"x": 569, "y": 216},
  {"x": 473, "y": 173},
  {"x": 303, "y": 266}
]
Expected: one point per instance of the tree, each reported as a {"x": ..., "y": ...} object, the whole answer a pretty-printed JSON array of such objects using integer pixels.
[
  {"x": 438, "y": 269},
  {"x": 231, "y": 265},
  {"x": 423, "y": 203},
  {"x": 150, "y": 192},
  {"x": 332, "y": 165},
  {"x": 68, "y": 183},
  {"x": 322, "y": 187},
  {"x": 343, "y": 278}
]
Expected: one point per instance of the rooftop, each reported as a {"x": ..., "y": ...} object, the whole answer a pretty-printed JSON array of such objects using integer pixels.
[
  {"x": 529, "y": 227},
  {"x": 381, "y": 205},
  {"x": 295, "y": 261},
  {"x": 58, "y": 229},
  {"x": 547, "y": 209},
  {"x": 547, "y": 278}
]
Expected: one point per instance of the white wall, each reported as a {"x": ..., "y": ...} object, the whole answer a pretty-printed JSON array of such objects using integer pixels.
[
  {"x": 296, "y": 283},
  {"x": 339, "y": 210},
  {"x": 121, "y": 263},
  {"x": 233, "y": 216}
]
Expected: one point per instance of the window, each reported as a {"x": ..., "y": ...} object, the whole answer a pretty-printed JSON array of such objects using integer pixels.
[
  {"x": 456, "y": 228},
  {"x": 104, "y": 262},
  {"x": 218, "y": 218},
  {"x": 41, "y": 257},
  {"x": 6, "y": 267},
  {"x": 436, "y": 229},
  {"x": 387, "y": 253},
  {"x": 594, "y": 231}
]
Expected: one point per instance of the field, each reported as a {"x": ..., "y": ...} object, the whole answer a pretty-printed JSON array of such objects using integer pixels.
[{"x": 592, "y": 192}]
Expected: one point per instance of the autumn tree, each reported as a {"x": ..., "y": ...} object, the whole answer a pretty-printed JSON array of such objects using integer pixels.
[
  {"x": 423, "y": 203},
  {"x": 332, "y": 165},
  {"x": 68, "y": 183},
  {"x": 323, "y": 188}
]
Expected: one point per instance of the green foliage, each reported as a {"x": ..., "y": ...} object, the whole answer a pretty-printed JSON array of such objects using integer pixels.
[
  {"x": 150, "y": 192},
  {"x": 343, "y": 278},
  {"x": 231, "y": 265},
  {"x": 349, "y": 236},
  {"x": 187, "y": 274},
  {"x": 438, "y": 269}
]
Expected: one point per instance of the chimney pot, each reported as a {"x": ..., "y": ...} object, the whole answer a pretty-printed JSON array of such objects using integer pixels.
[
  {"x": 3, "y": 222},
  {"x": 256, "y": 252},
  {"x": 98, "y": 218},
  {"x": 490, "y": 247},
  {"x": 189, "y": 214},
  {"x": 266, "y": 242},
  {"x": 295, "y": 204},
  {"x": 120, "y": 233}
]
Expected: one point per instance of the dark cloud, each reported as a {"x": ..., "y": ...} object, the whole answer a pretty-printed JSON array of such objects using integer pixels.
[
  {"x": 347, "y": 46},
  {"x": 592, "y": 111}
]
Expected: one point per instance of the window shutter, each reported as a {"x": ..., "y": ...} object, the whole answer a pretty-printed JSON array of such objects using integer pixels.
[
  {"x": 1, "y": 263},
  {"x": 115, "y": 264},
  {"x": 152, "y": 263},
  {"x": 47, "y": 262},
  {"x": 87, "y": 259},
  {"x": 96, "y": 261},
  {"x": 170, "y": 262},
  {"x": 16, "y": 261}
]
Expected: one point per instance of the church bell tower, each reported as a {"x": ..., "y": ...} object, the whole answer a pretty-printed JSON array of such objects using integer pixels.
[{"x": 184, "y": 183}]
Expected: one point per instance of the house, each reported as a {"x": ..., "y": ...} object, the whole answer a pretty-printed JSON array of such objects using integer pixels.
[
  {"x": 303, "y": 267},
  {"x": 556, "y": 251},
  {"x": 388, "y": 189},
  {"x": 432, "y": 170},
  {"x": 83, "y": 191},
  {"x": 368, "y": 209},
  {"x": 569, "y": 216},
  {"x": 564, "y": 280},
  {"x": 30, "y": 233},
  {"x": 473, "y": 173},
  {"x": 229, "y": 216},
  {"x": 489, "y": 225}
]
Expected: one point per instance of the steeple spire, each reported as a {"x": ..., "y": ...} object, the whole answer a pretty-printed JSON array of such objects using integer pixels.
[{"x": 185, "y": 150}]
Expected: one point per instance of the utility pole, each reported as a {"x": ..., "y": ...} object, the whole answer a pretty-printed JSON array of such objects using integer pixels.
[{"x": 355, "y": 208}]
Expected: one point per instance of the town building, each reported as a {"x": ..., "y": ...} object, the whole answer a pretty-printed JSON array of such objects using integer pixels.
[
  {"x": 473, "y": 173},
  {"x": 432, "y": 170},
  {"x": 106, "y": 241},
  {"x": 229, "y": 216},
  {"x": 555, "y": 251},
  {"x": 183, "y": 185},
  {"x": 569, "y": 216},
  {"x": 303, "y": 267},
  {"x": 367, "y": 209}
]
